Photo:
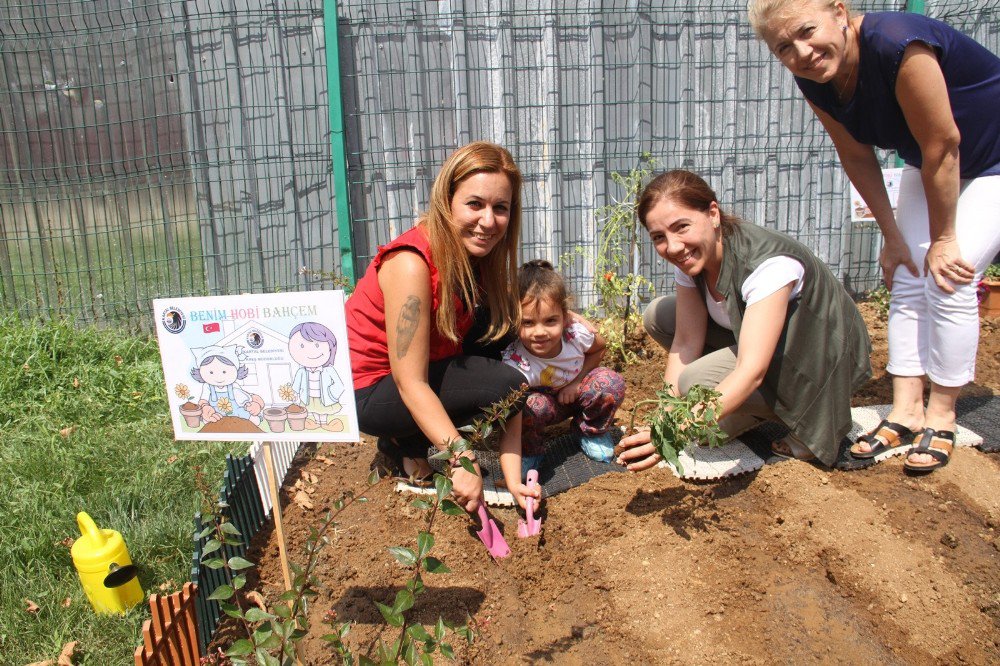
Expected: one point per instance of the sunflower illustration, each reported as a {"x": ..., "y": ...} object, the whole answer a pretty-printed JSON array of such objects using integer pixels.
[
  {"x": 182, "y": 391},
  {"x": 225, "y": 406},
  {"x": 286, "y": 393}
]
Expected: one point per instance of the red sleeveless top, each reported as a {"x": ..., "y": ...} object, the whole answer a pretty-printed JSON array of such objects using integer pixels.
[{"x": 365, "y": 315}]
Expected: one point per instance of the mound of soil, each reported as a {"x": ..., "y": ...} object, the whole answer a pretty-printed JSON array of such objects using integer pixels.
[
  {"x": 793, "y": 564},
  {"x": 231, "y": 424}
]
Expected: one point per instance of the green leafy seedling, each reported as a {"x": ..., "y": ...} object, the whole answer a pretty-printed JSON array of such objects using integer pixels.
[{"x": 675, "y": 421}]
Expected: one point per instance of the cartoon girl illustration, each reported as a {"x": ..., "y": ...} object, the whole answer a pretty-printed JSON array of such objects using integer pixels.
[
  {"x": 317, "y": 385},
  {"x": 218, "y": 369}
]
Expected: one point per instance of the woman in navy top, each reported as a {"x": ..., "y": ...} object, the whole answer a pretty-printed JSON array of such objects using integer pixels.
[{"x": 917, "y": 86}]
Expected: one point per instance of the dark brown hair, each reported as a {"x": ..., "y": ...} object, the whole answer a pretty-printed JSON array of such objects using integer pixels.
[
  {"x": 538, "y": 280},
  {"x": 686, "y": 189}
]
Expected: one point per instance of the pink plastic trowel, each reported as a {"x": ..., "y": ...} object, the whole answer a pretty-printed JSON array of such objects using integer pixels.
[
  {"x": 530, "y": 526},
  {"x": 490, "y": 534}
]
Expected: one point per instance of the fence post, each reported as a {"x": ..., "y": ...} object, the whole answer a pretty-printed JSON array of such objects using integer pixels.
[{"x": 337, "y": 147}]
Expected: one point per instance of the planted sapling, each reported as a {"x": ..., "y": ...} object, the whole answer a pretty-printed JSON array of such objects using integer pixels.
[{"x": 676, "y": 421}]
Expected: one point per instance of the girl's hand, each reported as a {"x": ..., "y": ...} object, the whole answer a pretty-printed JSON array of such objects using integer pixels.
[
  {"x": 521, "y": 492},
  {"x": 944, "y": 262},
  {"x": 636, "y": 451},
  {"x": 209, "y": 414},
  {"x": 255, "y": 405},
  {"x": 893, "y": 255},
  {"x": 467, "y": 488},
  {"x": 569, "y": 393}
]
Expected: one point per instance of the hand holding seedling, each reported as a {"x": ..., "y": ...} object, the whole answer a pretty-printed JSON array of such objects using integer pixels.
[
  {"x": 467, "y": 487},
  {"x": 675, "y": 421}
]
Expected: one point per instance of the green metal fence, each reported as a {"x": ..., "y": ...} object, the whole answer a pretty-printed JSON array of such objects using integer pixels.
[{"x": 164, "y": 148}]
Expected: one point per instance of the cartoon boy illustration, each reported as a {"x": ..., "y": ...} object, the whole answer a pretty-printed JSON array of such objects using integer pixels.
[
  {"x": 317, "y": 385},
  {"x": 218, "y": 369}
]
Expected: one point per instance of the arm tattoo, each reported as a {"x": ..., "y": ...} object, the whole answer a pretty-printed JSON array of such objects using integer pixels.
[{"x": 406, "y": 327}]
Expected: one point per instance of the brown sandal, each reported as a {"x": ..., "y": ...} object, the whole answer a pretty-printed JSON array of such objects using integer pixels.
[
  {"x": 938, "y": 444},
  {"x": 886, "y": 440}
]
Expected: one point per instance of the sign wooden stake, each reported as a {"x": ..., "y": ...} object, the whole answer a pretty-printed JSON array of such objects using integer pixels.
[{"x": 279, "y": 528}]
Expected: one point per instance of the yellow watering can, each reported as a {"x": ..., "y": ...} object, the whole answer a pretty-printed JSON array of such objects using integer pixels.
[{"x": 106, "y": 571}]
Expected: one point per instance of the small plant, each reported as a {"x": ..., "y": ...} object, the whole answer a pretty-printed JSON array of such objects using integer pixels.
[
  {"x": 618, "y": 285},
  {"x": 273, "y": 634},
  {"x": 616, "y": 263},
  {"x": 336, "y": 280},
  {"x": 676, "y": 421},
  {"x": 990, "y": 276},
  {"x": 880, "y": 297},
  {"x": 415, "y": 643},
  {"x": 183, "y": 392}
]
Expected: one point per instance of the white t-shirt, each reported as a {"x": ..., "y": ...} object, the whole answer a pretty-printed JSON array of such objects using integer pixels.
[
  {"x": 769, "y": 277},
  {"x": 552, "y": 372}
]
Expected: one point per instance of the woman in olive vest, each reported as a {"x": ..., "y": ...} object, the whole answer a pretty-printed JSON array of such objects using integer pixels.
[{"x": 756, "y": 316}]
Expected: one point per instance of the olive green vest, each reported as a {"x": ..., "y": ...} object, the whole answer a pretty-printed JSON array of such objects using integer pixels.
[{"x": 824, "y": 353}]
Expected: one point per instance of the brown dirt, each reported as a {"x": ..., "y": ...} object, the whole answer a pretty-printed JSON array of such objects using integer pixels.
[
  {"x": 231, "y": 424},
  {"x": 791, "y": 564}
]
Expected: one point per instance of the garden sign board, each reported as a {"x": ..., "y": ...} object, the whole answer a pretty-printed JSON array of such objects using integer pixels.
[{"x": 264, "y": 367}]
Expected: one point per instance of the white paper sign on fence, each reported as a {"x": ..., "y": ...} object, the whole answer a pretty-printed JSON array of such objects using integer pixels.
[
  {"x": 859, "y": 209},
  {"x": 258, "y": 367}
]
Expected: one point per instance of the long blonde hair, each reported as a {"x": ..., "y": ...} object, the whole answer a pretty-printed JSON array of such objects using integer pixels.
[
  {"x": 498, "y": 269},
  {"x": 760, "y": 11}
]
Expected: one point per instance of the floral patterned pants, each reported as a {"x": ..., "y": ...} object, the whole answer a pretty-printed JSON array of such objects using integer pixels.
[{"x": 593, "y": 411}]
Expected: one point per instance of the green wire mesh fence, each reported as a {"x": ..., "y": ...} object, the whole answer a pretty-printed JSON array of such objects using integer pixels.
[{"x": 166, "y": 148}]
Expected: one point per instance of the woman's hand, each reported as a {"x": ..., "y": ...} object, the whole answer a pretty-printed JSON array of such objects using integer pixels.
[
  {"x": 467, "y": 488},
  {"x": 521, "y": 492},
  {"x": 944, "y": 262},
  {"x": 636, "y": 452},
  {"x": 894, "y": 254}
]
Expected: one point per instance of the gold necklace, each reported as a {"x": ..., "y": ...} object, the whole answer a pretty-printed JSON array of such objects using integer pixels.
[{"x": 847, "y": 84}]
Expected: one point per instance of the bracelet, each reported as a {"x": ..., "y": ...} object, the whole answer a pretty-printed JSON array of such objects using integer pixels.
[{"x": 456, "y": 461}]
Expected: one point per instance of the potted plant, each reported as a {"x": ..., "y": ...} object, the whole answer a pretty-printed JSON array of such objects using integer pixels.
[
  {"x": 989, "y": 292},
  {"x": 190, "y": 410}
]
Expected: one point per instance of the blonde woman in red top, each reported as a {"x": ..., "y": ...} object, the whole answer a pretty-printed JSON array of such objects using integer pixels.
[{"x": 415, "y": 384}]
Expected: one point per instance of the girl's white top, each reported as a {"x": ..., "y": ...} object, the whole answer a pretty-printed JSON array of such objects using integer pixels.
[{"x": 552, "y": 372}]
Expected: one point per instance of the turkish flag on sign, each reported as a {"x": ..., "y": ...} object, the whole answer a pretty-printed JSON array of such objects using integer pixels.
[{"x": 210, "y": 328}]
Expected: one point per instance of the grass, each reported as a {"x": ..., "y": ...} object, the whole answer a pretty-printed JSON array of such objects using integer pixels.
[
  {"x": 104, "y": 275},
  {"x": 115, "y": 458}
]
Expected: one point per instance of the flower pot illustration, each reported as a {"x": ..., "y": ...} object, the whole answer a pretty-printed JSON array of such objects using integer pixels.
[
  {"x": 192, "y": 414},
  {"x": 297, "y": 417},
  {"x": 275, "y": 417}
]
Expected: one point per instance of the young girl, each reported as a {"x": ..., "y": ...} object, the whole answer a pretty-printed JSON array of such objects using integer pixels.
[
  {"x": 559, "y": 355},
  {"x": 316, "y": 383},
  {"x": 219, "y": 368}
]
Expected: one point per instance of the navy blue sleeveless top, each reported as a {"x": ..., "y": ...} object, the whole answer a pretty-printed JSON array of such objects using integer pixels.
[{"x": 873, "y": 116}]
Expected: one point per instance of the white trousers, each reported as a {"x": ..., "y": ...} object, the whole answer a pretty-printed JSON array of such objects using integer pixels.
[{"x": 930, "y": 332}]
